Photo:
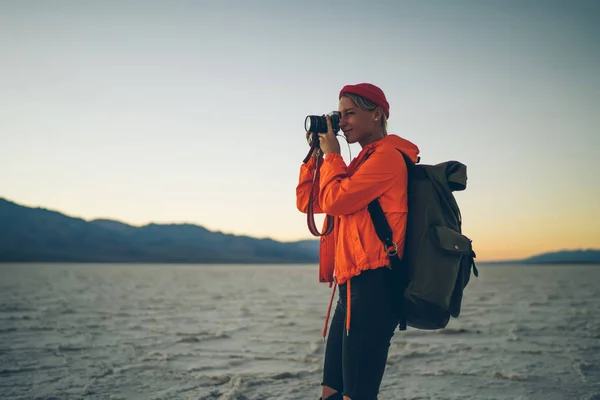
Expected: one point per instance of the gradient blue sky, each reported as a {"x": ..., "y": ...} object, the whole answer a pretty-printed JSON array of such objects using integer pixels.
[{"x": 192, "y": 111}]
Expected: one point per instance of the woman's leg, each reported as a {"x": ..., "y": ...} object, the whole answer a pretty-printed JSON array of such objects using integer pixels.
[
  {"x": 332, "y": 369},
  {"x": 372, "y": 325}
]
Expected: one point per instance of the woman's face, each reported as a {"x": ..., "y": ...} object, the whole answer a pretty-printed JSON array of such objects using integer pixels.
[{"x": 358, "y": 125}]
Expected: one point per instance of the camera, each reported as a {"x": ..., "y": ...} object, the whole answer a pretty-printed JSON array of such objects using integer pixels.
[{"x": 318, "y": 124}]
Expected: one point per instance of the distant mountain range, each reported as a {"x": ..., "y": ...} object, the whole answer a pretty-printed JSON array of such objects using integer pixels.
[
  {"x": 30, "y": 234},
  {"x": 39, "y": 235},
  {"x": 590, "y": 256}
]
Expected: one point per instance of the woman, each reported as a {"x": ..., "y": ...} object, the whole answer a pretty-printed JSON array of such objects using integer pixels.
[{"x": 352, "y": 257}]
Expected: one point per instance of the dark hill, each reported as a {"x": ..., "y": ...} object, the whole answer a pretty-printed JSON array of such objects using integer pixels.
[
  {"x": 566, "y": 257},
  {"x": 36, "y": 234}
]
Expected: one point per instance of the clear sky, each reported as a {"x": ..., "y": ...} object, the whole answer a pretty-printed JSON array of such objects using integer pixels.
[{"x": 193, "y": 111}]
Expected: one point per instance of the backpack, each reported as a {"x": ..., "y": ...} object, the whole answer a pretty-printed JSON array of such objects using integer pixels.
[{"x": 435, "y": 268}]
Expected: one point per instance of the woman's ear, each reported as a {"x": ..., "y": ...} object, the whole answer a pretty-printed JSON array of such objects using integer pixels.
[{"x": 377, "y": 114}]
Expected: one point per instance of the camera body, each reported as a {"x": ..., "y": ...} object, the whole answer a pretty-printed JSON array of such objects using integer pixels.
[{"x": 318, "y": 124}]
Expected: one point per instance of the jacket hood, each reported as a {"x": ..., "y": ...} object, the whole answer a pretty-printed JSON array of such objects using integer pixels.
[{"x": 405, "y": 146}]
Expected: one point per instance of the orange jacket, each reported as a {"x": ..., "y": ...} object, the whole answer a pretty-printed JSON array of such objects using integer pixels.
[{"x": 344, "y": 191}]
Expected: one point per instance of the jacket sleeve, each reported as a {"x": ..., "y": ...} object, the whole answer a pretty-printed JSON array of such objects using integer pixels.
[
  {"x": 341, "y": 194},
  {"x": 305, "y": 183}
]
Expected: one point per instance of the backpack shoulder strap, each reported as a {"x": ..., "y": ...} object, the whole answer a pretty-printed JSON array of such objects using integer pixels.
[
  {"x": 385, "y": 234},
  {"x": 382, "y": 228}
]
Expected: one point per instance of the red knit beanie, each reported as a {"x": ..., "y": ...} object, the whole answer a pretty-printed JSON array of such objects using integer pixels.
[{"x": 371, "y": 92}]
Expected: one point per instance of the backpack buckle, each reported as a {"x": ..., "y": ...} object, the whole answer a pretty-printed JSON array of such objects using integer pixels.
[{"x": 391, "y": 250}]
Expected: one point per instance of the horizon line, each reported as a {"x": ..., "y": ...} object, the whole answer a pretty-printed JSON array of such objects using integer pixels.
[{"x": 137, "y": 226}]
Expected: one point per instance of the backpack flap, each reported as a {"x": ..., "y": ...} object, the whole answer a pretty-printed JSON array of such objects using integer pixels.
[{"x": 452, "y": 242}]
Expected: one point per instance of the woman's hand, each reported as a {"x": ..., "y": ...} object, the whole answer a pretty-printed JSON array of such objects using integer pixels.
[
  {"x": 316, "y": 153},
  {"x": 328, "y": 141}
]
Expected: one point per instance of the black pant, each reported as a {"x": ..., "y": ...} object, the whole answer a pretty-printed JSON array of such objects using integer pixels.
[{"x": 355, "y": 363}]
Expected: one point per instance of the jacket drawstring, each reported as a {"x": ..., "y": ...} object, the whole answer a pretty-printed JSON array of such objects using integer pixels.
[
  {"x": 348, "y": 309},
  {"x": 329, "y": 310},
  {"x": 348, "y": 302}
]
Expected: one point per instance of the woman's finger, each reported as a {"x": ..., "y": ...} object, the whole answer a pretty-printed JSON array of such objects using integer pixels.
[{"x": 329, "y": 126}]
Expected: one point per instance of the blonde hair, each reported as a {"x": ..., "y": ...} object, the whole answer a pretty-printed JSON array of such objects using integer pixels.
[{"x": 367, "y": 105}]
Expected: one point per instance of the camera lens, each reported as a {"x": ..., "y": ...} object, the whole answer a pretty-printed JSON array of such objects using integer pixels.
[
  {"x": 315, "y": 124},
  {"x": 308, "y": 123}
]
